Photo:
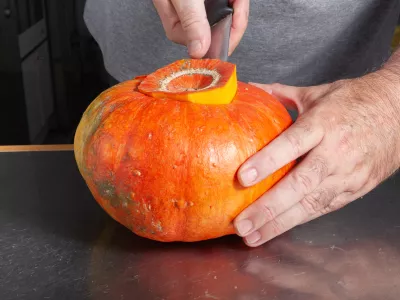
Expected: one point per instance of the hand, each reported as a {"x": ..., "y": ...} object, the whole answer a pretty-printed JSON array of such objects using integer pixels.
[
  {"x": 347, "y": 135},
  {"x": 185, "y": 22}
]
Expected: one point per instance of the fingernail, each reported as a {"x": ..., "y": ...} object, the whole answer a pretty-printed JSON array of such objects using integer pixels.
[
  {"x": 248, "y": 176},
  {"x": 244, "y": 226},
  {"x": 194, "y": 46},
  {"x": 253, "y": 238}
]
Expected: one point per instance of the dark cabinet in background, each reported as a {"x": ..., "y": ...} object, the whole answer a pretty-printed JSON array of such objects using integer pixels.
[{"x": 26, "y": 100}]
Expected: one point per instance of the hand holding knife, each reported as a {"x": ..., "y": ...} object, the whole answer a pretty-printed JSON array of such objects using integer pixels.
[{"x": 188, "y": 22}]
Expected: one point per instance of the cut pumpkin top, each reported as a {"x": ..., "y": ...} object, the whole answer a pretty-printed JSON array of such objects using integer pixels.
[{"x": 202, "y": 81}]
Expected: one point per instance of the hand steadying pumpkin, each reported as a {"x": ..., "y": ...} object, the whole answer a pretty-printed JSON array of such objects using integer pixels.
[
  {"x": 347, "y": 135},
  {"x": 185, "y": 22}
]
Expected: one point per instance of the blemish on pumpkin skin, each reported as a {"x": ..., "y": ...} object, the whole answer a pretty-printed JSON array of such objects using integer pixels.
[
  {"x": 175, "y": 202},
  {"x": 107, "y": 191},
  {"x": 142, "y": 229},
  {"x": 147, "y": 207},
  {"x": 137, "y": 173},
  {"x": 181, "y": 203},
  {"x": 124, "y": 203},
  {"x": 157, "y": 225}
]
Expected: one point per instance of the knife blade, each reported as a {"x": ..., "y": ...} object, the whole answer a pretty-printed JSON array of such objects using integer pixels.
[{"x": 219, "y": 15}]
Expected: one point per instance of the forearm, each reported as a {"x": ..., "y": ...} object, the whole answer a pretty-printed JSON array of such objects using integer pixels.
[
  {"x": 384, "y": 85},
  {"x": 379, "y": 93}
]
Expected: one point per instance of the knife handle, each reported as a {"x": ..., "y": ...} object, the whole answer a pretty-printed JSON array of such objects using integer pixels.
[{"x": 217, "y": 10}]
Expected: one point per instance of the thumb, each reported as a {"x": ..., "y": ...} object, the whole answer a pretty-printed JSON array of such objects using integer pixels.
[
  {"x": 195, "y": 26},
  {"x": 292, "y": 97}
]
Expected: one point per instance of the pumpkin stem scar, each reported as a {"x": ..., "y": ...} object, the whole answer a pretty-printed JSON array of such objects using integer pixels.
[
  {"x": 190, "y": 72},
  {"x": 201, "y": 81}
]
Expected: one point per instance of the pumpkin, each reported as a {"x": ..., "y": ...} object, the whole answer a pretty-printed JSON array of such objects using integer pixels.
[{"x": 160, "y": 152}]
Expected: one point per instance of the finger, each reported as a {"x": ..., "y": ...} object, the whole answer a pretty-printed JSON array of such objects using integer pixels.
[
  {"x": 297, "y": 140},
  {"x": 194, "y": 22},
  {"x": 337, "y": 203},
  {"x": 309, "y": 205},
  {"x": 301, "y": 181},
  {"x": 298, "y": 98},
  {"x": 170, "y": 21},
  {"x": 358, "y": 186},
  {"x": 240, "y": 20},
  {"x": 290, "y": 96}
]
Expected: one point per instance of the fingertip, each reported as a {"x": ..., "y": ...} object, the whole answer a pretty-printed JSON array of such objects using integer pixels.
[
  {"x": 250, "y": 244},
  {"x": 197, "y": 48},
  {"x": 253, "y": 238},
  {"x": 243, "y": 227},
  {"x": 248, "y": 176}
]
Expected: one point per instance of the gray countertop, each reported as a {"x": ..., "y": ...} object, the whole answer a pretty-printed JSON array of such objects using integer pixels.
[{"x": 57, "y": 243}]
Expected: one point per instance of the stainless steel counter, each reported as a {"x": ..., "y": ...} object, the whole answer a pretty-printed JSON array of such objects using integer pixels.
[{"x": 57, "y": 243}]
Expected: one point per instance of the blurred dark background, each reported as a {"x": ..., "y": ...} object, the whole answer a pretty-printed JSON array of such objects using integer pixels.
[{"x": 50, "y": 70}]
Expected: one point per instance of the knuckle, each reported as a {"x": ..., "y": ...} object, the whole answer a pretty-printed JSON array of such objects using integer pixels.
[
  {"x": 301, "y": 183},
  {"x": 305, "y": 126},
  {"x": 268, "y": 212},
  {"x": 269, "y": 161},
  {"x": 359, "y": 182},
  {"x": 302, "y": 129},
  {"x": 319, "y": 167},
  {"x": 294, "y": 142},
  {"x": 318, "y": 200},
  {"x": 336, "y": 204},
  {"x": 170, "y": 34},
  {"x": 277, "y": 227},
  {"x": 311, "y": 203},
  {"x": 329, "y": 120},
  {"x": 190, "y": 20},
  {"x": 345, "y": 140}
]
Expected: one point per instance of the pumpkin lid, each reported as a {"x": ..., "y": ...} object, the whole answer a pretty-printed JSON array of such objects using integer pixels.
[{"x": 202, "y": 81}]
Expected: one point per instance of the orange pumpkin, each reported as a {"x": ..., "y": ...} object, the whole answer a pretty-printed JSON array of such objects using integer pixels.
[{"x": 160, "y": 152}]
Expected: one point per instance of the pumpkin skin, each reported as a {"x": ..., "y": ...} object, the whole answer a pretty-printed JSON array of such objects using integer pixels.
[{"x": 166, "y": 169}]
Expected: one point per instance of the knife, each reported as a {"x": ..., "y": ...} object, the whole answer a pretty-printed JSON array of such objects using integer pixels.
[{"x": 219, "y": 15}]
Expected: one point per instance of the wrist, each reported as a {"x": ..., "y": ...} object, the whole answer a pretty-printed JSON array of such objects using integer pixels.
[
  {"x": 383, "y": 89},
  {"x": 380, "y": 91}
]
